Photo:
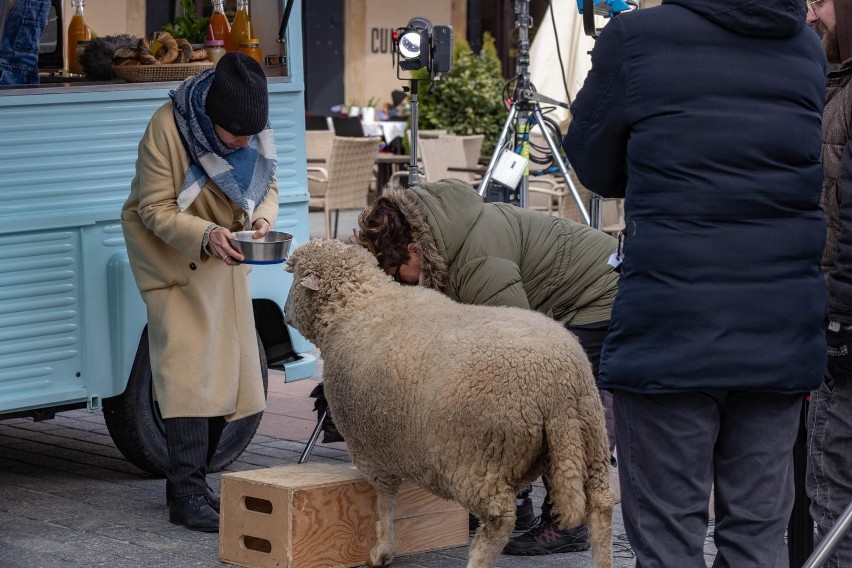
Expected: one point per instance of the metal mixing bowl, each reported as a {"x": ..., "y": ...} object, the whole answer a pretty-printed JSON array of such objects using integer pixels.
[{"x": 271, "y": 248}]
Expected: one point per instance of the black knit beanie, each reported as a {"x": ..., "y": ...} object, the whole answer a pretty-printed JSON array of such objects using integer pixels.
[{"x": 238, "y": 99}]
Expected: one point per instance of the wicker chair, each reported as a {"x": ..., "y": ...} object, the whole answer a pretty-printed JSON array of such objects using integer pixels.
[
  {"x": 612, "y": 216},
  {"x": 318, "y": 151},
  {"x": 346, "y": 182},
  {"x": 449, "y": 151}
]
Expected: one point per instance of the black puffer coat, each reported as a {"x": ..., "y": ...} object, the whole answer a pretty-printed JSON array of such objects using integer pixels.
[{"x": 705, "y": 115}]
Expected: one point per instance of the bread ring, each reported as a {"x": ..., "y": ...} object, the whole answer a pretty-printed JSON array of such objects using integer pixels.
[
  {"x": 143, "y": 52},
  {"x": 124, "y": 53},
  {"x": 198, "y": 55},
  {"x": 171, "y": 48},
  {"x": 185, "y": 49}
]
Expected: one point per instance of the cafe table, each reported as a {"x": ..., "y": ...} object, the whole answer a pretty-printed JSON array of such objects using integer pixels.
[
  {"x": 388, "y": 130},
  {"x": 386, "y": 165}
]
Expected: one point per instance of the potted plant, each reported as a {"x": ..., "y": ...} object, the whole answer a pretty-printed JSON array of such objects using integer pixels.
[
  {"x": 369, "y": 112},
  {"x": 188, "y": 25},
  {"x": 469, "y": 98}
]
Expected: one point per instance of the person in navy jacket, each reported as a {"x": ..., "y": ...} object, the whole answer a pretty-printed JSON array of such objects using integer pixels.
[{"x": 706, "y": 116}]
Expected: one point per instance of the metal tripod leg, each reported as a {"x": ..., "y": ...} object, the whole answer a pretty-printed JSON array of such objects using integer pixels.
[
  {"x": 309, "y": 447},
  {"x": 557, "y": 157},
  {"x": 501, "y": 142},
  {"x": 831, "y": 540}
]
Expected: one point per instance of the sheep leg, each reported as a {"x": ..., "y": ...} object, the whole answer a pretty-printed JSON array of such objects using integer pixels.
[
  {"x": 493, "y": 533},
  {"x": 573, "y": 450},
  {"x": 382, "y": 552}
]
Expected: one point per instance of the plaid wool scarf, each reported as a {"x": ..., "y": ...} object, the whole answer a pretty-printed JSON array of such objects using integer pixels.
[{"x": 243, "y": 174}]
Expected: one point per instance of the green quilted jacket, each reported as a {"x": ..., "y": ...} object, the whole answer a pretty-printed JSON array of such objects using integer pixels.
[{"x": 497, "y": 254}]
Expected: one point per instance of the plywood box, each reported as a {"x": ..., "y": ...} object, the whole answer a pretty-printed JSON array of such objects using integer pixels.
[{"x": 323, "y": 516}]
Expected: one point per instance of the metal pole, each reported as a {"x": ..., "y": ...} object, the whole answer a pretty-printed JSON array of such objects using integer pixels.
[
  {"x": 309, "y": 447},
  {"x": 588, "y": 218},
  {"x": 504, "y": 135},
  {"x": 413, "y": 171},
  {"x": 831, "y": 540}
]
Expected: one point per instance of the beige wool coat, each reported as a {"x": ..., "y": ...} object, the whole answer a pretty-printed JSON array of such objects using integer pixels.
[{"x": 202, "y": 340}]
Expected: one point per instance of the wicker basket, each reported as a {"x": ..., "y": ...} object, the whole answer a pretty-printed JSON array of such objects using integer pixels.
[{"x": 160, "y": 72}]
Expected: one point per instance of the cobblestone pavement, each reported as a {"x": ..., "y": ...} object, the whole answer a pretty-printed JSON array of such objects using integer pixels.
[{"x": 69, "y": 499}]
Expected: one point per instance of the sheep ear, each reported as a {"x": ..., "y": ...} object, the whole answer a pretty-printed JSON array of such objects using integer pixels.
[{"x": 311, "y": 282}]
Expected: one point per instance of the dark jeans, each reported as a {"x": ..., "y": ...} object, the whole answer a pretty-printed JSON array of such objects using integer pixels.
[
  {"x": 19, "y": 41},
  {"x": 829, "y": 478},
  {"x": 192, "y": 443},
  {"x": 676, "y": 450},
  {"x": 591, "y": 337}
]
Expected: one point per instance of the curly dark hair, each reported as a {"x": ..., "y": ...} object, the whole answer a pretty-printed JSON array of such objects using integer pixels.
[{"x": 385, "y": 232}]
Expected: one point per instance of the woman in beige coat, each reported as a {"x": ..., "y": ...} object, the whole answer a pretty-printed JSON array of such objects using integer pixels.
[{"x": 206, "y": 167}]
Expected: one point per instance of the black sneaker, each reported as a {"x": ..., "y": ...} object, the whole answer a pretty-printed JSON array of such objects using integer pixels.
[
  {"x": 525, "y": 518},
  {"x": 548, "y": 538}
]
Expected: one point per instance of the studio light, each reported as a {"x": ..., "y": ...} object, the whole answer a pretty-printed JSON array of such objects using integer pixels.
[{"x": 414, "y": 44}]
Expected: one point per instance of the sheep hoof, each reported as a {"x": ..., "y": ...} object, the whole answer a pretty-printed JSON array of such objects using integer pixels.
[{"x": 380, "y": 560}]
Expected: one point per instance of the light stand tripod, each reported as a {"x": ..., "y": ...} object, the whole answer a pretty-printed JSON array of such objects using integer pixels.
[
  {"x": 413, "y": 169},
  {"x": 524, "y": 112}
]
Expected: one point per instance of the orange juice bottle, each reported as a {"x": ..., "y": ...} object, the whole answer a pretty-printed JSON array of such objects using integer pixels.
[
  {"x": 78, "y": 30},
  {"x": 219, "y": 23},
  {"x": 240, "y": 27}
]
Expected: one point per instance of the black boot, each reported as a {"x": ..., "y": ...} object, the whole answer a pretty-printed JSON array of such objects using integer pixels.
[
  {"x": 212, "y": 498},
  {"x": 193, "y": 512}
]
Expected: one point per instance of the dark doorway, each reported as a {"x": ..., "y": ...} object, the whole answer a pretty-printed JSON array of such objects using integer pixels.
[{"x": 324, "y": 61}]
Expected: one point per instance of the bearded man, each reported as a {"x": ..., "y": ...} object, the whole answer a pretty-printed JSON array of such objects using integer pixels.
[{"x": 829, "y": 483}]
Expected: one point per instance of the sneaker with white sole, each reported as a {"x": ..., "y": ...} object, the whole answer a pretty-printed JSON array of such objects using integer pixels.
[{"x": 548, "y": 538}]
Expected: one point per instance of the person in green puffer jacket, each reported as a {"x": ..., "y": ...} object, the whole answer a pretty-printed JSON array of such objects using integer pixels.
[{"x": 442, "y": 235}]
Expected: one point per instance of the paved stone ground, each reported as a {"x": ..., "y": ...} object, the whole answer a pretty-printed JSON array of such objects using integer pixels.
[{"x": 69, "y": 499}]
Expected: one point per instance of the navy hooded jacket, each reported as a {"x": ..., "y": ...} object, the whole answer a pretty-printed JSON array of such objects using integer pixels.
[{"x": 706, "y": 116}]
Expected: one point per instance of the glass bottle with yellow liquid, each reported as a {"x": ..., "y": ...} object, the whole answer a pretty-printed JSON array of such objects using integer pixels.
[
  {"x": 241, "y": 27},
  {"x": 219, "y": 23},
  {"x": 78, "y": 30}
]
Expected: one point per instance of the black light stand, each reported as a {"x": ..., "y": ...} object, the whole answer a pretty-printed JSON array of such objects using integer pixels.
[
  {"x": 525, "y": 110},
  {"x": 413, "y": 169}
]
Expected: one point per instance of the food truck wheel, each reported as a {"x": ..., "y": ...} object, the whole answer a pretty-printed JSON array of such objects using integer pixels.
[{"x": 134, "y": 421}]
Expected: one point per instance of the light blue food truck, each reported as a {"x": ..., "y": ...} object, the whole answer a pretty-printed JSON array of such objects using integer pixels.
[{"x": 72, "y": 324}]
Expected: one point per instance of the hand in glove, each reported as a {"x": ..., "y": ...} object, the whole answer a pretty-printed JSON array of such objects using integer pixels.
[{"x": 839, "y": 339}]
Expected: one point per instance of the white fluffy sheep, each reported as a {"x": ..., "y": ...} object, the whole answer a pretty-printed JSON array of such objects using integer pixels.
[{"x": 470, "y": 402}]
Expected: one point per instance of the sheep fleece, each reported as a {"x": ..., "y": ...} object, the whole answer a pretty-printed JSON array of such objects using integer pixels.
[{"x": 469, "y": 402}]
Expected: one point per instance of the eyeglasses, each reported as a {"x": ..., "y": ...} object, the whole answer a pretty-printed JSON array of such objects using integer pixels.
[
  {"x": 396, "y": 274},
  {"x": 813, "y": 5}
]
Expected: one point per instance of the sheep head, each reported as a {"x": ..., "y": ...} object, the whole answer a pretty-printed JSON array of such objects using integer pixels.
[{"x": 328, "y": 275}]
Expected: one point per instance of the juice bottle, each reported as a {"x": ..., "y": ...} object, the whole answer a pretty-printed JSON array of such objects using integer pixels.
[
  {"x": 78, "y": 30},
  {"x": 251, "y": 47},
  {"x": 219, "y": 23},
  {"x": 240, "y": 27}
]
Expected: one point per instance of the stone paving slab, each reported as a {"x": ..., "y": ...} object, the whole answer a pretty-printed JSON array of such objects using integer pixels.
[
  {"x": 68, "y": 501},
  {"x": 69, "y": 498}
]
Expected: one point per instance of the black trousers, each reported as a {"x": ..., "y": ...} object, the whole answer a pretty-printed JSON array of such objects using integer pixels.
[
  {"x": 191, "y": 442},
  {"x": 678, "y": 450}
]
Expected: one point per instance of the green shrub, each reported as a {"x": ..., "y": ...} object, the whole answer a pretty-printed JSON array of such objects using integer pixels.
[
  {"x": 468, "y": 99},
  {"x": 188, "y": 25}
]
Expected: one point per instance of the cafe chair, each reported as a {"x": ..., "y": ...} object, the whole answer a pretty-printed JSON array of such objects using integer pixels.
[
  {"x": 612, "y": 216},
  {"x": 317, "y": 122},
  {"x": 546, "y": 193},
  {"x": 347, "y": 126},
  {"x": 346, "y": 182},
  {"x": 441, "y": 154}
]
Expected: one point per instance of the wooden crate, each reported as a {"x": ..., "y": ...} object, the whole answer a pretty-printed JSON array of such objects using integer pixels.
[{"x": 322, "y": 516}]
